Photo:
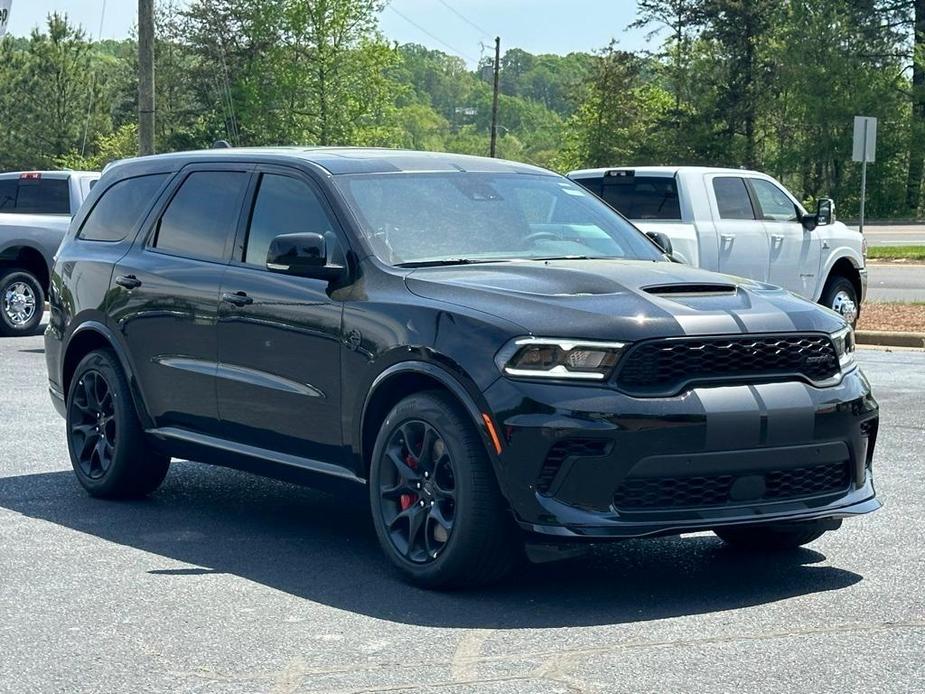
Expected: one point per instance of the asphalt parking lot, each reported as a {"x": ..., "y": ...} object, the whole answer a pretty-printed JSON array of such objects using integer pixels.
[{"x": 223, "y": 582}]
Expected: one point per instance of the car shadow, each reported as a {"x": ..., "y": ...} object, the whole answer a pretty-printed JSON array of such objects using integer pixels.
[{"x": 322, "y": 548}]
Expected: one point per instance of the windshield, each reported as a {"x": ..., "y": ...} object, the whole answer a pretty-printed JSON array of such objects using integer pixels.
[{"x": 433, "y": 218}]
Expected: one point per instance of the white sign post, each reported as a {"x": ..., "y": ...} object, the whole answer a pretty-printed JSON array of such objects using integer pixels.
[
  {"x": 865, "y": 150},
  {"x": 4, "y": 15}
]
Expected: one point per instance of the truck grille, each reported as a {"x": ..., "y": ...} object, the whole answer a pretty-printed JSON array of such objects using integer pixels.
[
  {"x": 664, "y": 367},
  {"x": 654, "y": 493}
]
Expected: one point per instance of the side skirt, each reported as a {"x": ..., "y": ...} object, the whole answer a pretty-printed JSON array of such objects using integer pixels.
[{"x": 188, "y": 445}]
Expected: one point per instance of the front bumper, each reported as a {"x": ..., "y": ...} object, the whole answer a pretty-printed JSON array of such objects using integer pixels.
[
  {"x": 590, "y": 462},
  {"x": 862, "y": 273}
]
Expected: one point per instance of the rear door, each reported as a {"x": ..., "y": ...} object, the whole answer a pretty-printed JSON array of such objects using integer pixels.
[
  {"x": 794, "y": 252},
  {"x": 165, "y": 294},
  {"x": 744, "y": 246},
  {"x": 280, "y": 335}
]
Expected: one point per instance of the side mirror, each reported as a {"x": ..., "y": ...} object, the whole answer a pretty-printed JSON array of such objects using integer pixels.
[
  {"x": 825, "y": 212},
  {"x": 661, "y": 240},
  {"x": 825, "y": 215},
  {"x": 305, "y": 255}
]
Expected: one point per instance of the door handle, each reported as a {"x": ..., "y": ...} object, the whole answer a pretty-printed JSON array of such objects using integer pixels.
[
  {"x": 778, "y": 239},
  {"x": 727, "y": 239},
  {"x": 128, "y": 281},
  {"x": 237, "y": 299}
]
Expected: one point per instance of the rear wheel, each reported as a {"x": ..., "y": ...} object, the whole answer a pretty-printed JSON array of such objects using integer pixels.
[
  {"x": 22, "y": 302},
  {"x": 841, "y": 296},
  {"x": 779, "y": 536},
  {"x": 105, "y": 439},
  {"x": 437, "y": 509}
]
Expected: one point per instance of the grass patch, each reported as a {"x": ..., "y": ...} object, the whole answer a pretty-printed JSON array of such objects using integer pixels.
[{"x": 916, "y": 253}]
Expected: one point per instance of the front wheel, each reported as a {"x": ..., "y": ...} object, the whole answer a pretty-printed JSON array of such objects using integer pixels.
[
  {"x": 774, "y": 537},
  {"x": 22, "y": 303},
  {"x": 436, "y": 505},
  {"x": 841, "y": 296}
]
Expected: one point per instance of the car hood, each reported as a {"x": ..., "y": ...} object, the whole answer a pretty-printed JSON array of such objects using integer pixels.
[{"x": 620, "y": 300}]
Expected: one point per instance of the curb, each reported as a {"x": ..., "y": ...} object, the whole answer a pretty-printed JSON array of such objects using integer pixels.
[{"x": 886, "y": 338}]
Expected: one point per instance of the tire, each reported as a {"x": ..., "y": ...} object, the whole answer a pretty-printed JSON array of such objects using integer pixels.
[
  {"x": 464, "y": 539},
  {"x": 841, "y": 296},
  {"x": 773, "y": 537},
  {"x": 22, "y": 303},
  {"x": 105, "y": 440}
]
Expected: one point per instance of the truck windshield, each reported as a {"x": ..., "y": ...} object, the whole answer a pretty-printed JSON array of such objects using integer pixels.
[{"x": 439, "y": 218}]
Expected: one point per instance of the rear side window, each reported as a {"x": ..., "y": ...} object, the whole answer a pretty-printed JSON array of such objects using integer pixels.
[
  {"x": 203, "y": 215},
  {"x": 732, "y": 198},
  {"x": 121, "y": 208},
  {"x": 284, "y": 205},
  {"x": 35, "y": 196},
  {"x": 643, "y": 197}
]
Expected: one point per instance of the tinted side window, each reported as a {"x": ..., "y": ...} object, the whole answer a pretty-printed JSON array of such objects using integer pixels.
[
  {"x": 732, "y": 198},
  {"x": 121, "y": 208},
  {"x": 203, "y": 215},
  {"x": 644, "y": 197},
  {"x": 8, "y": 189},
  {"x": 775, "y": 204},
  {"x": 44, "y": 196},
  {"x": 284, "y": 205}
]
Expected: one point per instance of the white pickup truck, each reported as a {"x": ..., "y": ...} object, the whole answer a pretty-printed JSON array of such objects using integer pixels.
[
  {"x": 35, "y": 211},
  {"x": 741, "y": 223}
]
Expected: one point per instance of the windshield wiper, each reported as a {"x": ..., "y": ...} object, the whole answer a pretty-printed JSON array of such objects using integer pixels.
[
  {"x": 575, "y": 257},
  {"x": 446, "y": 261}
]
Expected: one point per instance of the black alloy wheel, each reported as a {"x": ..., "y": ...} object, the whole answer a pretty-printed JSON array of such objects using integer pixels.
[
  {"x": 109, "y": 451},
  {"x": 418, "y": 491},
  {"x": 93, "y": 426},
  {"x": 437, "y": 508}
]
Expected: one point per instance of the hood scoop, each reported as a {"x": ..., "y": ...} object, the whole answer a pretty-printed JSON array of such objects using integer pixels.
[{"x": 689, "y": 291}]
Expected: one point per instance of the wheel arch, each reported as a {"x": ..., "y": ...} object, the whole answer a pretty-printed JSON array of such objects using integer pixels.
[
  {"x": 28, "y": 258},
  {"x": 844, "y": 267},
  {"x": 88, "y": 337},
  {"x": 401, "y": 380}
]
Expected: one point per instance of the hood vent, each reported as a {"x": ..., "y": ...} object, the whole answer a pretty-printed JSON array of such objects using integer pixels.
[{"x": 691, "y": 290}]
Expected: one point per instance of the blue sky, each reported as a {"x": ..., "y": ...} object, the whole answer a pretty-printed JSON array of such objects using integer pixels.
[{"x": 538, "y": 26}]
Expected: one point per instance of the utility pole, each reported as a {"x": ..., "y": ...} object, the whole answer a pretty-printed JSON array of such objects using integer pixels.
[
  {"x": 145, "y": 77},
  {"x": 494, "y": 102}
]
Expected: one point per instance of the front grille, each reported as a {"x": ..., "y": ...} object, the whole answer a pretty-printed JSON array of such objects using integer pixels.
[
  {"x": 652, "y": 493},
  {"x": 664, "y": 367},
  {"x": 562, "y": 450}
]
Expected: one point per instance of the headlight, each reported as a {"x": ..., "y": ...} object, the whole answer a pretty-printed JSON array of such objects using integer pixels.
[
  {"x": 844, "y": 347},
  {"x": 565, "y": 358}
]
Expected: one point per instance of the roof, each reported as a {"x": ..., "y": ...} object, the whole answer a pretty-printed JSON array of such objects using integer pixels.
[
  {"x": 49, "y": 174},
  {"x": 656, "y": 170},
  {"x": 345, "y": 160}
]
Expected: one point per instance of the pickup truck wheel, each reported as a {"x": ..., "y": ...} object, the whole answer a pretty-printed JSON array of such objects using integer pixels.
[
  {"x": 105, "y": 440},
  {"x": 773, "y": 537},
  {"x": 436, "y": 506},
  {"x": 840, "y": 296},
  {"x": 22, "y": 303}
]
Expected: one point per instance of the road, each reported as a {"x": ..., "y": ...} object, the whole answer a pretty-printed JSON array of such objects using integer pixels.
[
  {"x": 223, "y": 582},
  {"x": 895, "y": 282},
  {"x": 895, "y": 235}
]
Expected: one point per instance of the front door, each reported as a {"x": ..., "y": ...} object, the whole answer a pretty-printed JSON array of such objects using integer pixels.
[
  {"x": 795, "y": 252},
  {"x": 280, "y": 335},
  {"x": 165, "y": 295},
  {"x": 743, "y": 240}
]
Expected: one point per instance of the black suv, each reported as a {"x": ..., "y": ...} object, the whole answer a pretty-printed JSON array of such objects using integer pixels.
[{"x": 503, "y": 359}]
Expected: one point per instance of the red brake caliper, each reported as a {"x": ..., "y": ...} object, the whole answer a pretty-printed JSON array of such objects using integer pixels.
[{"x": 406, "y": 500}]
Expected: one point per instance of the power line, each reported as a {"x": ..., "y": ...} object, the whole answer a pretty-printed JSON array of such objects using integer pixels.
[
  {"x": 99, "y": 37},
  {"x": 435, "y": 38},
  {"x": 485, "y": 33}
]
